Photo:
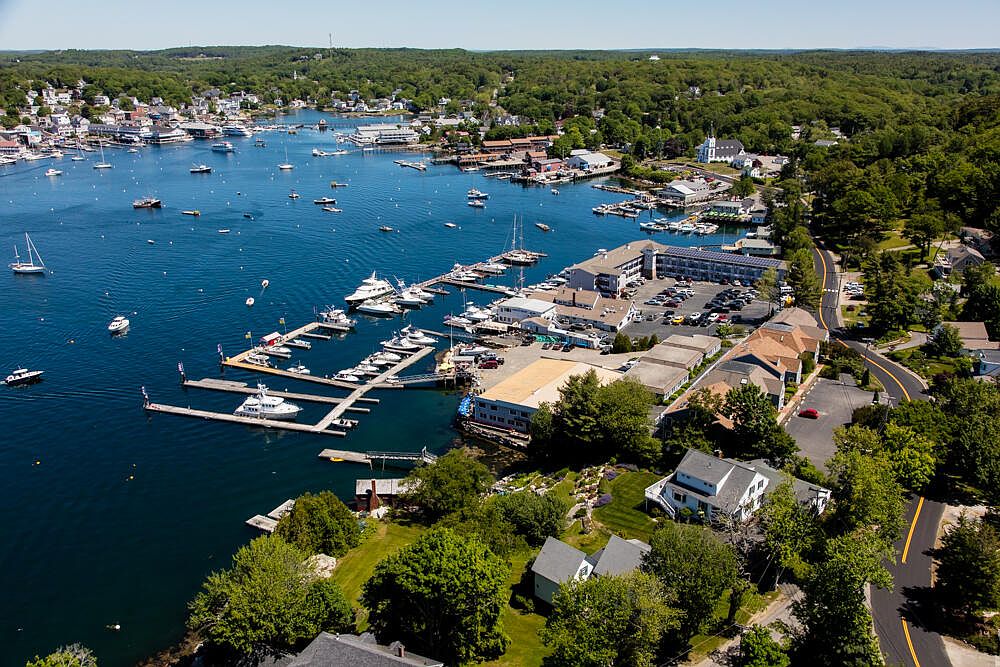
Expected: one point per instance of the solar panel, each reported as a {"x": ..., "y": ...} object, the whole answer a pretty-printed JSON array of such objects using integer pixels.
[{"x": 722, "y": 257}]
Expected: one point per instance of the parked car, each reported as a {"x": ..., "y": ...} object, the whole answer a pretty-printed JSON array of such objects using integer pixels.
[
  {"x": 489, "y": 363},
  {"x": 809, "y": 413},
  {"x": 677, "y": 319},
  {"x": 712, "y": 317}
]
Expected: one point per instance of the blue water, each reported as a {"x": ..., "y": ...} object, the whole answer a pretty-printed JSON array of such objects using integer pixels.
[{"x": 115, "y": 517}]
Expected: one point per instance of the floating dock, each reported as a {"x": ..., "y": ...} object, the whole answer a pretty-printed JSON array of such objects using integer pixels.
[
  {"x": 236, "y": 419},
  {"x": 345, "y": 456}
]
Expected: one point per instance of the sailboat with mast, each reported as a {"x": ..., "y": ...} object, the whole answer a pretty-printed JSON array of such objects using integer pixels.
[
  {"x": 102, "y": 164},
  {"x": 30, "y": 267},
  {"x": 286, "y": 165},
  {"x": 517, "y": 255}
]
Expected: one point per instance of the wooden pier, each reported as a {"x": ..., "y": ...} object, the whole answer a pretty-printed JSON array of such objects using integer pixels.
[
  {"x": 345, "y": 456},
  {"x": 268, "y": 523},
  {"x": 244, "y": 388},
  {"x": 236, "y": 419}
]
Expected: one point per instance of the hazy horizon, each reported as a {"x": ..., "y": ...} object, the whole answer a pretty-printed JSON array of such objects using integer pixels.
[{"x": 772, "y": 25}]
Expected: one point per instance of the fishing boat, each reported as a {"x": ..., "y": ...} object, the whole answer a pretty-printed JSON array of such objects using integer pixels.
[
  {"x": 337, "y": 317},
  {"x": 542, "y": 226},
  {"x": 53, "y": 172},
  {"x": 102, "y": 164},
  {"x": 119, "y": 324},
  {"x": 477, "y": 203},
  {"x": 223, "y": 147},
  {"x": 34, "y": 265},
  {"x": 200, "y": 169},
  {"x": 195, "y": 213},
  {"x": 147, "y": 202},
  {"x": 22, "y": 376},
  {"x": 265, "y": 406},
  {"x": 378, "y": 308},
  {"x": 324, "y": 200},
  {"x": 370, "y": 288},
  {"x": 385, "y": 228}
]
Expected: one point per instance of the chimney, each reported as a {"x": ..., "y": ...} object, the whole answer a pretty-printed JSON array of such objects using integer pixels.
[
  {"x": 373, "y": 501},
  {"x": 400, "y": 650}
]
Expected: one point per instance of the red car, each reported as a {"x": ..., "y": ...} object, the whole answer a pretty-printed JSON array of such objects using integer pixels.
[
  {"x": 489, "y": 363},
  {"x": 809, "y": 413}
]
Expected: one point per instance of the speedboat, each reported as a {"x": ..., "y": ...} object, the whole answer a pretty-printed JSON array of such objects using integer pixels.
[
  {"x": 299, "y": 369},
  {"x": 477, "y": 194},
  {"x": 201, "y": 169},
  {"x": 132, "y": 150},
  {"x": 325, "y": 200},
  {"x": 408, "y": 297},
  {"x": 477, "y": 203},
  {"x": 195, "y": 213},
  {"x": 275, "y": 349},
  {"x": 422, "y": 294},
  {"x": 385, "y": 228},
  {"x": 370, "y": 288},
  {"x": 457, "y": 321},
  {"x": 476, "y": 314},
  {"x": 542, "y": 226},
  {"x": 492, "y": 267},
  {"x": 22, "y": 376},
  {"x": 318, "y": 153},
  {"x": 304, "y": 344},
  {"x": 555, "y": 191},
  {"x": 367, "y": 369},
  {"x": 417, "y": 336},
  {"x": 222, "y": 147},
  {"x": 333, "y": 209},
  {"x": 390, "y": 356},
  {"x": 265, "y": 406},
  {"x": 376, "y": 360},
  {"x": 118, "y": 325},
  {"x": 258, "y": 359},
  {"x": 400, "y": 343},
  {"x": 378, "y": 308},
  {"x": 53, "y": 172},
  {"x": 147, "y": 202},
  {"x": 463, "y": 275},
  {"x": 293, "y": 195},
  {"x": 450, "y": 225},
  {"x": 347, "y": 376}
]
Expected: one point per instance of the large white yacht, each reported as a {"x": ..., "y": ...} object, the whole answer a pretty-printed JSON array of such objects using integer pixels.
[
  {"x": 370, "y": 288},
  {"x": 265, "y": 406},
  {"x": 417, "y": 336},
  {"x": 236, "y": 131},
  {"x": 378, "y": 308}
]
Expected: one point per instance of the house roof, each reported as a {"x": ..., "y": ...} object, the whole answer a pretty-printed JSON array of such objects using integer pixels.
[
  {"x": 658, "y": 378},
  {"x": 669, "y": 355},
  {"x": 557, "y": 561},
  {"x": 698, "y": 342},
  {"x": 329, "y": 649},
  {"x": 970, "y": 331},
  {"x": 383, "y": 487},
  {"x": 541, "y": 381},
  {"x": 731, "y": 478},
  {"x": 619, "y": 556},
  {"x": 805, "y": 492},
  {"x": 529, "y": 305}
]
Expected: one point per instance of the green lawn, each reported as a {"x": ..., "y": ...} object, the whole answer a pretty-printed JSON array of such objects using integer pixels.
[
  {"x": 625, "y": 514},
  {"x": 925, "y": 365},
  {"x": 893, "y": 242},
  {"x": 521, "y": 626},
  {"x": 586, "y": 542},
  {"x": 355, "y": 568}
]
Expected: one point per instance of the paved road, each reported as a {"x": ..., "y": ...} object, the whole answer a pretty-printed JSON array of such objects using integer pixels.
[{"x": 900, "y": 632}]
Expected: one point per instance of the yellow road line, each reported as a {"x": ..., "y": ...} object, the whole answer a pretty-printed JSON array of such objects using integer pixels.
[
  {"x": 913, "y": 526},
  {"x": 874, "y": 363},
  {"x": 909, "y": 643}
]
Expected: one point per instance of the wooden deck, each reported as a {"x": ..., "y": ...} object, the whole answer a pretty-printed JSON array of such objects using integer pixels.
[
  {"x": 235, "y": 419},
  {"x": 243, "y": 388}
]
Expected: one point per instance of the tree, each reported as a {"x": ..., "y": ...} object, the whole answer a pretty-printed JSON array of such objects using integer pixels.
[
  {"x": 945, "y": 341},
  {"x": 803, "y": 279},
  {"x": 532, "y": 516},
  {"x": 623, "y": 408},
  {"x": 695, "y": 566},
  {"x": 73, "y": 655},
  {"x": 755, "y": 424},
  {"x": 758, "y": 649},
  {"x": 923, "y": 228},
  {"x": 621, "y": 343},
  {"x": 453, "y": 483},
  {"x": 912, "y": 456},
  {"x": 983, "y": 304},
  {"x": 542, "y": 430},
  {"x": 270, "y": 599},
  {"x": 791, "y": 530},
  {"x": 835, "y": 622},
  {"x": 968, "y": 572},
  {"x": 320, "y": 523},
  {"x": 443, "y": 596},
  {"x": 767, "y": 286},
  {"x": 609, "y": 621},
  {"x": 865, "y": 489},
  {"x": 743, "y": 188}
]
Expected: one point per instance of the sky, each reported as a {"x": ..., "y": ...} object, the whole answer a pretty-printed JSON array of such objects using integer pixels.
[{"x": 502, "y": 24}]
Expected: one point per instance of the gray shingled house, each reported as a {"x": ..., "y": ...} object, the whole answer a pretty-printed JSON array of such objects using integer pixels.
[{"x": 558, "y": 563}]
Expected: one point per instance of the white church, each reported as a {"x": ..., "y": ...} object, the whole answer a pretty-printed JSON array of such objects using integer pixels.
[{"x": 715, "y": 150}]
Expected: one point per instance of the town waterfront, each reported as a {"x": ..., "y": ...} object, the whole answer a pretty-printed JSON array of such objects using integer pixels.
[{"x": 114, "y": 517}]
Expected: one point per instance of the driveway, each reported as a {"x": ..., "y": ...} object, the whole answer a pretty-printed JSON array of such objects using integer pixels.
[{"x": 835, "y": 400}]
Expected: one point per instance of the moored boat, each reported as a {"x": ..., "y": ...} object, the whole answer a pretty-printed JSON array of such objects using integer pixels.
[
  {"x": 265, "y": 406},
  {"x": 22, "y": 376},
  {"x": 119, "y": 324},
  {"x": 30, "y": 267}
]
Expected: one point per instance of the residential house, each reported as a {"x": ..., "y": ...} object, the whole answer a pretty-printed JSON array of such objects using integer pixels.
[
  {"x": 956, "y": 259},
  {"x": 510, "y": 404},
  {"x": 558, "y": 564},
  {"x": 730, "y": 373},
  {"x": 973, "y": 334},
  {"x": 715, "y": 488},
  {"x": 987, "y": 363},
  {"x": 370, "y": 494},
  {"x": 329, "y": 649}
]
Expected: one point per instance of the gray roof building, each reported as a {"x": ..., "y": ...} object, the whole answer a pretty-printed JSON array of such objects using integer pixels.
[
  {"x": 328, "y": 650},
  {"x": 556, "y": 564},
  {"x": 619, "y": 557}
]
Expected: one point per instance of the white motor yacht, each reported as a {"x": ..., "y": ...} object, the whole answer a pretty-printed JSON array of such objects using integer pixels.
[
  {"x": 422, "y": 294},
  {"x": 378, "y": 308},
  {"x": 392, "y": 357},
  {"x": 475, "y": 194},
  {"x": 376, "y": 360},
  {"x": 400, "y": 343},
  {"x": 337, "y": 317},
  {"x": 299, "y": 369},
  {"x": 370, "y": 288},
  {"x": 367, "y": 369},
  {"x": 493, "y": 267},
  {"x": 265, "y": 406},
  {"x": 118, "y": 325},
  {"x": 53, "y": 172},
  {"x": 347, "y": 376},
  {"x": 464, "y": 276},
  {"x": 409, "y": 299},
  {"x": 457, "y": 321},
  {"x": 476, "y": 314},
  {"x": 417, "y": 336},
  {"x": 22, "y": 376},
  {"x": 258, "y": 359},
  {"x": 275, "y": 349}
]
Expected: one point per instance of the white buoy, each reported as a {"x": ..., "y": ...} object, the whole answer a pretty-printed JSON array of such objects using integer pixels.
[{"x": 264, "y": 283}]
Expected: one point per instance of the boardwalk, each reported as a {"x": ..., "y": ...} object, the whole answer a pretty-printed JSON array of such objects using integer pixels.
[
  {"x": 243, "y": 388},
  {"x": 247, "y": 421}
]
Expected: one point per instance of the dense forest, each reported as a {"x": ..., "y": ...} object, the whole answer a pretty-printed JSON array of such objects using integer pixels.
[{"x": 923, "y": 129}]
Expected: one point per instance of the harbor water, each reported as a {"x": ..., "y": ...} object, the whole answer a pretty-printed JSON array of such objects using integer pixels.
[{"x": 115, "y": 517}]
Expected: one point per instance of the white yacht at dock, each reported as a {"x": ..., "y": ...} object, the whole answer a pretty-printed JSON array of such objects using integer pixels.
[
  {"x": 370, "y": 288},
  {"x": 265, "y": 406}
]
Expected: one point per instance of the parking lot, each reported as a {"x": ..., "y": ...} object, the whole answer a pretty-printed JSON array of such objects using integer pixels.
[
  {"x": 835, "y": 401},
  {"x": 659, "y": 318}
]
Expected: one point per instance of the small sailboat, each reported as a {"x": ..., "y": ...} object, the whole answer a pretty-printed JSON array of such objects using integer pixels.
[
  {"x": 29, "y": 267},
  {"x": 102, "y": 164},
  {"x": 286, "y": 165}
]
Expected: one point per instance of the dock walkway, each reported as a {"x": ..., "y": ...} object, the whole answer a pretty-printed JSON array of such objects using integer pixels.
[{"x": 236, "y": 419}]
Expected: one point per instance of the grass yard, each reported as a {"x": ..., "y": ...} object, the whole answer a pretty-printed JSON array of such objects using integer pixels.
[
  {"x": 625, "y": 514},
  {"x": 586, "y": 542},
  {"x": 356, "y": 567},
  {"x": 702, "y": 645},
  {"x": 894, "y": 242},
  {"x": 521, "y": 626},
  {"x": 925, "y": 365}
]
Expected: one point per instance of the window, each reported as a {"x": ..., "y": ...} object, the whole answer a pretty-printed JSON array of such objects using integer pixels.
[
  {"x": 679, "y": 497},
  {"x": 493, "y": 408}
]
